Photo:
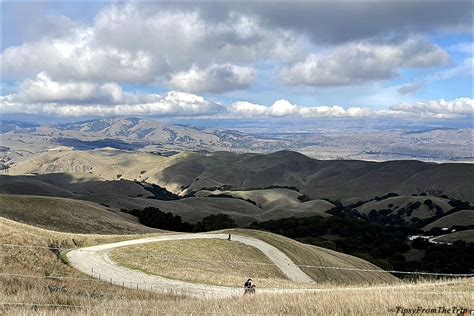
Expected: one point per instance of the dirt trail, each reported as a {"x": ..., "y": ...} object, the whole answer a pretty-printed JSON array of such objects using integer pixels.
[{"x": 95, "y": 261}]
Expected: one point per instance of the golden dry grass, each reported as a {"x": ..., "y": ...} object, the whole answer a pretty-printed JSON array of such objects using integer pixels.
[
  {"x": 63, "y": 214},
  {"x": 346, "y": 302},
  {"x": 100, "y": 298},
  {"x": 214, "y": 261},
  {"x": 303, "y": 254}
]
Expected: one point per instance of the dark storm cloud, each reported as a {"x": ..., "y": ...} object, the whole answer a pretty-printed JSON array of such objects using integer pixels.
[{"x": 338, "y": 22}]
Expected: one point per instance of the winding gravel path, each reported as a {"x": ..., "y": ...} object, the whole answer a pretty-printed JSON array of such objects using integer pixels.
[{"x": 95, "y": 261}]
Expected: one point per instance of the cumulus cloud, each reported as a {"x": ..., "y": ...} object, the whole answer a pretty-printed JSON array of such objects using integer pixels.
[
  {"x": 363, "y": 62},
  {"x": 366, "y": 19},
  {"x": 47, "y": 97},
  {"x": 134, "y": 44},
  {"x": 44, "y": 89},
  {"x": 436, "y": 109},
  {"x": 439, "y": 108},
  {"x": 284, "y": 108},
  {"x": 321, "y": 20},
  {"x": 199, "y": 47},
  {"x": 215, "y": 78}
]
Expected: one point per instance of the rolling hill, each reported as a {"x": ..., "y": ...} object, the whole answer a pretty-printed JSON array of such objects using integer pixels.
[
  {"x": 189, "y": 172},
  {"x": 463, "y": 217},
  {"x": 409, "y": 206},
  {"x": 465, "y": 235},
  {"x": 67, "y": 215},
  {"x": 39, "y": 292},
  {"x": 276, "y": 203}
]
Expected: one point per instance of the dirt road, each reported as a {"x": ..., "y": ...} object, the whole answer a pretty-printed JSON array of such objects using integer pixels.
[{"x": 95, "y": 261}]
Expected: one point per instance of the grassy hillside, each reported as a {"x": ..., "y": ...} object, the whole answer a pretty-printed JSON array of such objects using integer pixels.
[
  {"x": 30, "y": 185},
  {"x": 62, "y": 214},
  {"x": 104, "y": 164},
  {"x": 265, "y": 199},
  {"x": 191, "y": 171},
  {"x": 416, "y": 204},
  {"x": 465, "y": 235},
  {"x": 276, "y": 202},
  {"x": 303, "y": 254},
  {"x": 216, "y": 262},
  {"x": 191, "y": 209},
  {"x": 69, "y": 185},
  {"x": 461, "y": 218},
  {"x": 99, "y": 298}
]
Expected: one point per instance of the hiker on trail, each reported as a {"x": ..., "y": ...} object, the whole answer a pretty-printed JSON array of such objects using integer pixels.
[
  {"x": 249, "y": 287},
  {"x": 229, "y": 238}
]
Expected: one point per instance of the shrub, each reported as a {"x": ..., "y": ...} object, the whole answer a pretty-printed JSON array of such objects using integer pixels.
[{"x": 304, "y": 198}]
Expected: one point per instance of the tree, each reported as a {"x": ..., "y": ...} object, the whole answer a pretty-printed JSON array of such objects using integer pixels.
[
  {"x": 154, "y": 217},
  {"x": 215, "y": 222}
]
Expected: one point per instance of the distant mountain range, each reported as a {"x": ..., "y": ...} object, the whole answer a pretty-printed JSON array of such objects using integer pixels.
[
  {"x": 140, "y": 132},
  {"x": 21, "y": 140}
]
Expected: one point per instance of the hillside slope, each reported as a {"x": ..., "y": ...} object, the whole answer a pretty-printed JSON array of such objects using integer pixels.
[
  {"x": 461, "y": 218},
  {"x": 409, "y": 207},
  {"x": 464, "y": 235},
  {"x": 38, "y": 293},
  {"x": 67, "y": 215},
  {"x": 303, "y": 254},
  {"x": 276, "y": 203},
  {"x": 188, "y": 172}
]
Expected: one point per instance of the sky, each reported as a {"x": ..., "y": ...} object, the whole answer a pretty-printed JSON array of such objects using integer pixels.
[{"x": 378, "y": 60}]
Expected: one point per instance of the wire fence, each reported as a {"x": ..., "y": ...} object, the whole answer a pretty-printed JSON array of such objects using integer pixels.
[
  {"x": 143, "y": 285},
  {"x": 90, "y": 307},
  {"x": 162, "y": 289},
  {"x": 153, "y": 255}
]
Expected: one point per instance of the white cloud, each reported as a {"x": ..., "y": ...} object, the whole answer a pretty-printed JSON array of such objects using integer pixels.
[
  {"x": 439, "y": 108},
  {"x": 436, "y": 109},
  {"x": 44, "y": 89},
  {"x": 47, "y": 97},
  {"x": 215, "y": 78},
  {"x": 284, "y": 108},
  {"x": 358, "y": 63},
  {"x": 131, "y": 43},
  {"x": 248, "y": 109}
]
